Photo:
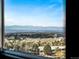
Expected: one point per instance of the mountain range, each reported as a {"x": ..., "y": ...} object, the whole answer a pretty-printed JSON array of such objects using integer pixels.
[{"x": 17, "y": 28}]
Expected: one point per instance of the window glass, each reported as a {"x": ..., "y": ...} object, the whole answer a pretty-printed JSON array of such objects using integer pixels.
[{"x": 36, "y": 27}]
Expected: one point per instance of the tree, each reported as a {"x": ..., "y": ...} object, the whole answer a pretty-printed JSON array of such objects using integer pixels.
[
  {"x": 17, "y": 46},
  {"x": 23, "y": 46},
  {"x": 39, "y": 43},
  {"x": 6, "y": 45},
  {"x": 52, "y": 43},
  {"x": 12, "y": 43},
  {"x": 29, "y": 44},
  {"x": 47, "y": 49},
  {"x": 35, "y": 49},
  {"x": 58, "y": 53}
]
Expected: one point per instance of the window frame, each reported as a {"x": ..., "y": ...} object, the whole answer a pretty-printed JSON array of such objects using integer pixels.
[{"x": 2, "y": 23}]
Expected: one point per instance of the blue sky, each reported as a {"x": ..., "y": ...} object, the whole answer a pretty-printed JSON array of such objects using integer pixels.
[{"x": 35, "y": 12}]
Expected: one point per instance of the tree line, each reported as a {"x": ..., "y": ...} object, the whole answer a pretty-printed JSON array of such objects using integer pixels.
[{"x": 33, "y": 35}]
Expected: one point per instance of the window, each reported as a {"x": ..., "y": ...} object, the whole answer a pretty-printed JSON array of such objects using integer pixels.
[{"x": 35, "y": 27}]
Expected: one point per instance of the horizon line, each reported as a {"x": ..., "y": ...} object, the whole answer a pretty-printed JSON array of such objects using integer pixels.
[{"x": 34, "y": 25}]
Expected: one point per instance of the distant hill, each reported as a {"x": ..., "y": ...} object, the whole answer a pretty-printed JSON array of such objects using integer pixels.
[{"x": 15, "y": 28}]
